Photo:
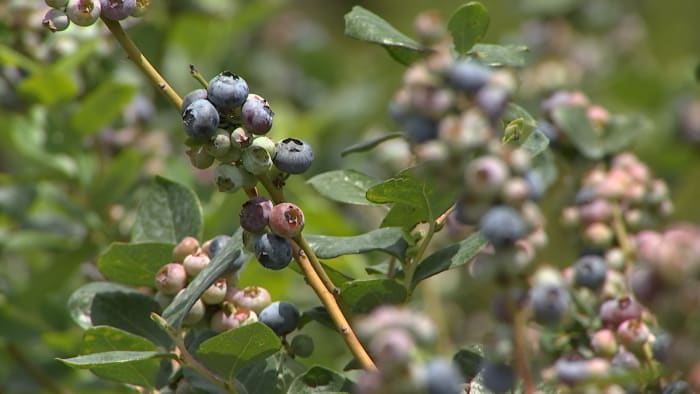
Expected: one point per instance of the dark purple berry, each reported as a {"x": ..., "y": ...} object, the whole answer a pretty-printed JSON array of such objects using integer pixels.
[
  {"x": 281, "y": 316},
  {"x": 590, "y": 271},
  {"x": 273, "y": 251},
  {"x": 197, "y": 94},
  {"x": 661, "y": 346},
  {"x": 227, "y": 91},
  {"x": 615, "y": 311},
  {"x": 255, "y": 214},
  {"x": 55, "y": 20},
  {"x": 286, "y": 219},
  {"x": 502, "y": 226},
  {"x": 216, "y": 244},
  {"x": 256, "y": 115},
  {"x": 549, "y": 303},
  {"x": 443, "y": 377},
  {"x": 293, "y": 156},
  {"x": 83, "y": 12},
  {"x": 498, "y": 377},
  {"x": 468, "y": 76},
  {"x": 419, "y": 128},
  {"x": 200, "y": 120},
  {"x": 117, "y": 10}
]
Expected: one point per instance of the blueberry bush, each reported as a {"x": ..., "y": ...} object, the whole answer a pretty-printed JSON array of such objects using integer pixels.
[{"x": 229, "y": 197}]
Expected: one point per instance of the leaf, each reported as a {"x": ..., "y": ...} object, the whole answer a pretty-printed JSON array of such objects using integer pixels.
[
  {"x": 371, "y": 143},
  {"x": 80, "y": 302},
  {"x": 320, "y": 380},
  {"x": 362, "y": 24},
  {"x": 536, "y": 143},
  {"x": 389, "y": 240},
  {"x": 134, "y": 264},
  {"x": 500, "y": 55},
  {"x": 110, "y": 358},
  {"x": 101, "y": 106},
  {"x": 345, "y": 186},
  {"x": 233, "y": 349},
  {"x": 574, "y": 122},
  {"x": 363, "y": 295},
  {"x": 230, "y": 256},
  {"x": 168, "y": 213},
  {"x": 129, "y": 311},
  {"x": 116, "y": 179},
  {"x": 272, "y": 375},
  {"x": 468, "y": 25},
  {"x": 318, "y": 314},
  {"x": 469, "y": 360},
  {"x": 104, "y": 339},
  {"x": 48, "y": 86},
  {"x": 449, "y": 257}
]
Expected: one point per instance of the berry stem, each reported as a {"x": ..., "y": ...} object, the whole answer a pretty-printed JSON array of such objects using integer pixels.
[
  {"x": 142, "y": 63},
  {"x": 316, "y": 264},
  {"x": 198, "y": 76},
  {"x": 520, "y": 358},
  {"x": 621, "y": 235}
]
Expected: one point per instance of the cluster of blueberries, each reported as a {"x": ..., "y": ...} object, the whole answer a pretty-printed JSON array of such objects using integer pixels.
[
  {"x": 226, "y": 123},
  {"x": 86, "y": 12},
  {"x": 224, "y": 306}
]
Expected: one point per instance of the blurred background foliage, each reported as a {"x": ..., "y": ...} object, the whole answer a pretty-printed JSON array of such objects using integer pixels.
[{"x": 82, "y": 132}]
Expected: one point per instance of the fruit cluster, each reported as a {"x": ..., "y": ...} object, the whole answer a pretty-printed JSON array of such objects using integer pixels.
[
  {"x": 86, "y": 12},
  {"x": 223, "y": 306}
]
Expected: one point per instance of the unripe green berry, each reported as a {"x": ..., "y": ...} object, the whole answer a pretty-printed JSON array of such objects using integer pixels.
[
  {"x": 302, "y": 345},
  {"x": 220, "y": 144},
  {"x": 256, "y": 160},
  {"x": 200, "y": 158},
  {"x": 195, "y": 314},
  {"x": 229, "y": 178},
  {"x": 195, "y": 263},
  {"x": 216, "y": 293}
]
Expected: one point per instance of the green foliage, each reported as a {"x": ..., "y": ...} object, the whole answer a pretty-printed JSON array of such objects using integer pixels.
[
  {"x": 468, "y": 25},
  {"x": 134, "y": 264},
  {"x": 345, "y": 186}
]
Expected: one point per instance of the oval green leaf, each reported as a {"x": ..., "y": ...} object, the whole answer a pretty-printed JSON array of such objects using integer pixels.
[
  {"x": 500, "y": 55},
  {"x": 389, "y": 240},
  {"x": 346, "y": 186},
  {"x": 134, "y": 264},
  {"x": 320, "y": 380},
  {"x": 363, "y": 295},
  {"x": 110, "y": 358},
  {"x": 449, "y": 257},
  {"x": 468, "y": 25}
]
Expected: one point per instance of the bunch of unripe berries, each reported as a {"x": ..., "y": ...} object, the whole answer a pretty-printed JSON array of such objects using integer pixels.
[
  {"x": 223, "y": 306},
  {"x": 226, "y": 123},
  {"x": 86, "y": 12}
]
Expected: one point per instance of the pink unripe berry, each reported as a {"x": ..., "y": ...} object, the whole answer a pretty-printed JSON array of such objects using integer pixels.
[
  {"x": 187, "y": 246},
  {"x": 224, "y": 320},
  {"x": 603, "y": 343},
  {"x": 196, "y": 313},
  {"x": 486, "y": 175},
  {"x": 633, "y": 334},
  {"x": 615, "y": 311},
  {"x": 216, "y": 293},
  {"x": 286, "y": 220},
  {"x": 171, "y": 278},
  {"x": 598, "y": 234},
  {"x": 251, "y": 297},
  {"x": 195, "y": 263}
]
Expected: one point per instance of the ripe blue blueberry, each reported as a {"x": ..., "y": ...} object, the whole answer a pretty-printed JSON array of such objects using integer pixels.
[
  {"x": 293, "y": 156},
  {"x": 83, "y": 12},
  {"x": 256, "y": 115},
  {"x": 302, "y": 345},
  {"x": 492, "y": 101},
  {"x": 272, "y": 251},
  {"x": 200, "y": 120},
  {"x": 117, "y": 10},
  {"x": 549, "y": 303},
  {"x": 281, "y": 316},
  {"x": 58, "y": 4},
  {"x": 502, "y": 226},
  {"x": 227, "y": 91},
  {"x": 55, "y": 20},
  {"x": 442, "y": 377},
  {"x": 255, "y": 214},
  {"x": 197, "y": 94},
  {"x": 419, "y": 128},
  {"x": 590, "y": 271},
  {"x": 216, "y": 244},
  {"x": 661, "y": 347},
  {"x": 498, "y": 377},
  {"x": 468, "y": 76}
]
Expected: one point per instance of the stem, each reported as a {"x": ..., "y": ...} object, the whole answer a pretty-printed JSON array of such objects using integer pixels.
[
  {"x": 198, "y": 76},
  {"x": 42, "y": 379},
  {"x": 142, "y": 63},
  {"x": 621, "y": 235},
  {"x": 520, "y": 358}
]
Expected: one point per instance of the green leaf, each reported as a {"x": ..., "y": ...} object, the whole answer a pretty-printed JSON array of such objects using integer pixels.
[
  {"x": 318, "y": 314},
  {"x": 129, "y": 311},
  {"x": 48, "y": 86},
  {"x": 233, "y": 349},
  {"x": 536, "y": 142},
  {"x": 320, "y": 380},
  {"x": 468, "y": 25},
  {"x": 113, "y": 183},
  {"x": 168, "y": 213},
  {"x": 402, "y": 189},
  {"x": 110, "y": 358},
  {"x": 371, "y": 143},
  {"x": 101, "y": 106},
  {"x": 134, "y": 264},
  {"x": 389, "y": 240},
  {"x": 574, "y": 122},
  {"x": 80, "y": 302},
  {"x": 272, "y": 375},
  {"x": 104, "y": 339},
  {"x": 345, "y": 186},
  {"x": 449, "y": 257},
  {"x": 363, "y": 295},
  {"x": 362, "y": 24},
  {"x": 500, "y": 55},
  {"x": 469, "y": 360},
  {"x": 231, "y": 255}
]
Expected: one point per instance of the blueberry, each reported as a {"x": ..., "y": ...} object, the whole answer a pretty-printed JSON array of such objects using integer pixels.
[
  {"x": 625, "y": 360},
  {"x": 492, "y": 101},
  {"x": 677, "y": 387},
  {"x": 171, "y": 278},
  {"x": 281, "y": 316},
  {"x": 256, "y": 160},
  {"x": 200, "y": 120},
  {"x": 83, "y": 12},
  {"x": 221, "y": 147},
  {"x": 502, "y": 226},
  {"x": 117, "y": 10},
  {"x": 293, "y": 156},
  {"x": 256, "y": 115},
  {"x": 486, "y": 175},
  {"x": 229, "y": 178},
  {"x": 468, "y": 76},
  {"x": 549, "y": 303},
  {"x": 196, "y": 313},
  {"x": 498, "y": 377},
  {"x": 286, "y": 219},
  {"x": 224, "y": 320},
  {"x": 443, "y": 377},
  {"x": 184, "y": 248},
  {"x": 254, "y": 298},
  {"x": 302, "y": 345},
  {"x": 255, "y": 214},
  {"x": 590, "y": 271},
  {"x": 227, "y": 91},
  {"x": 195, "y": 263},
  {"x": 661, "y": 346},
  {"x": 216, "y": 243},
  {"x": 273, "y": 251},
  {"x": 615, "y": 311},
  {"x": 55, "y": 20},
  {"x": 58, "y": 4},
  {"x": 215, "y": 293},
  {"x": 197, "y": 94},
  {"x": 419, "y": 128}
]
